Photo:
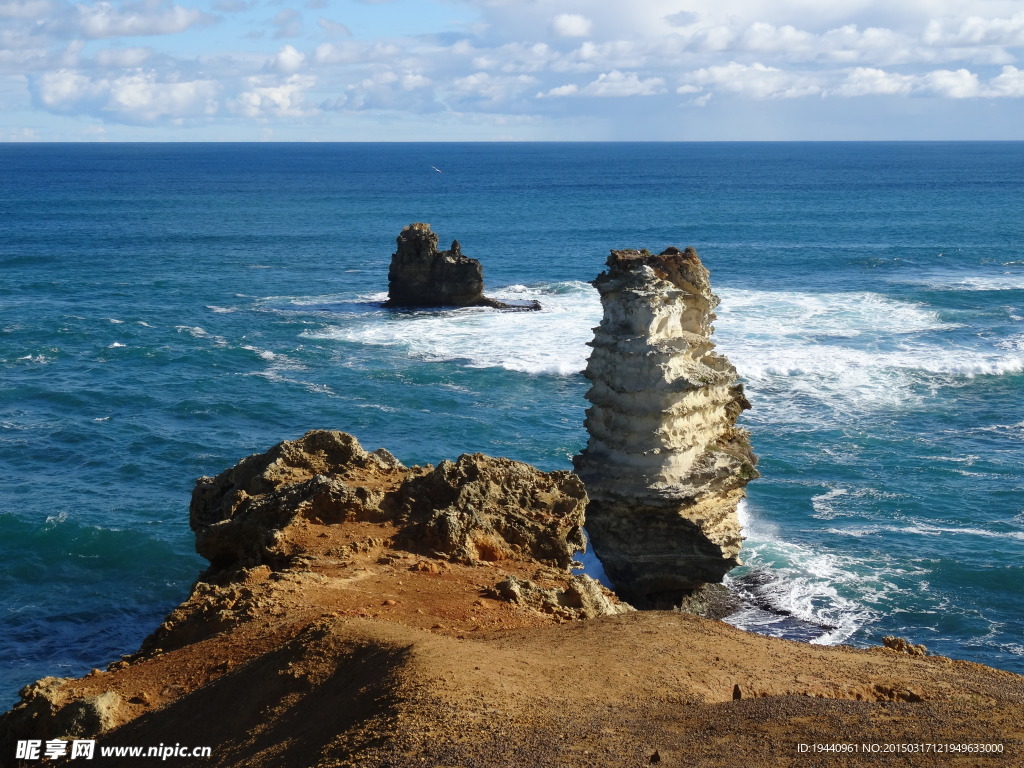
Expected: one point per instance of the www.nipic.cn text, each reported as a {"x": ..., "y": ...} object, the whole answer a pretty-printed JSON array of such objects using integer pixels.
[{"x": 85, "y": 749}]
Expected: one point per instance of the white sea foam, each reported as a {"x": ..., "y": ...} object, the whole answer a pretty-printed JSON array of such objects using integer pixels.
[
  {"x": 263, "y": 354},
  {"x": 1007, "y": 281},
  {"x": 927, "y": 529},
  {"x": 824, "y": 504},
  {"x": 197, "y": 332},
  {"x": 592, "y": 566},
  {"x": 810, "y": 355},
  {"x": 115, "y": 321},
  {"x": 850, "y": 352},
  {"x": 276, "y": 376},
  {"x": 551, "y": 341},
  {"x": 793, "y": 590},
  {"x": 116, "y": 345},
  {"x": 743, "y": 516},
  {"x": 221, "y": 310}
]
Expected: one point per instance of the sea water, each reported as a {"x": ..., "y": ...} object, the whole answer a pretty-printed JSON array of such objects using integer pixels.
[{"x": 167, "y": 309}]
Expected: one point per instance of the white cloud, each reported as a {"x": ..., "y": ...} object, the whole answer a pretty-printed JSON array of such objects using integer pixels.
[
  {"x": 25, "y": 9},
  {"x": 266, "y": 98},
  {"x": 333, "y": 28},
  {"x": 570, "y": 89},
  {"x": 870, "y": 81},
  {"x": 122, "y": 57},
  {"x": 519, "y": 60},
  {"x": 976, "y": 30},
  {"x": 960, "y": 84},
  {"x": 104, "y": 20},
  {"x": 288, "y": 22},
  {"x": 288, "y": 60},
  {"x": 355, "y": 52},
  {"x": 621, "y": 84},
  {"x": 757, "y": 81},
  {"x": 518, "y": 57},
  {"x": 140, "y": 97},
  {"x": 571, "y": 25},
  {"x": 1009, "y": 84},
  {"x": 491, "y": 87},
  {"x": 761, "y": 36}
]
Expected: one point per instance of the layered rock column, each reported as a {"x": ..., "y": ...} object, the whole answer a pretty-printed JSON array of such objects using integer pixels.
[{"x": 665, "y": 466}]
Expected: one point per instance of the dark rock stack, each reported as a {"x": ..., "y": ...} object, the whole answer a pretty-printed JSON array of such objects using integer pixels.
[{"x": 422, "y": 276}]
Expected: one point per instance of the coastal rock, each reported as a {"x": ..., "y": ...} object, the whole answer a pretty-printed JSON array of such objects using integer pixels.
[
  {"x": 50, "y": 709},
  {"x": 366, "y": 627},
  {"x": 665, "y": 466},
  {"x": 480, "y": 508},
  {"x": 583, "y": 598},
  {"x": 422, "y": 276},
  {"x": 325, "y": 475},
  {"x": 477, "y": 508},
  {"x": 902, "y": 645}
]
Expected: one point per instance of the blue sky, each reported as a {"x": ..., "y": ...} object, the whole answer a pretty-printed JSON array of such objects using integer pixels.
[{"x": 489, "y": 70}]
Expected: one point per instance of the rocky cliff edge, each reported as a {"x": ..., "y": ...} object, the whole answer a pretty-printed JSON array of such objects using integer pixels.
[{"x": 357, "y": 612}]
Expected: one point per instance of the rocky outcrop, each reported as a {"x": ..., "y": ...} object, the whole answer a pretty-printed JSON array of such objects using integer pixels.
[
  {"x": 422, "y": 276},
  {"x": 583, "y": 598},
  {"x": 665, "y": 465},
  {"x": 474, "y": 509},
  {"x": 320, "y": 527},
  {"x": 358, "y": 612}
]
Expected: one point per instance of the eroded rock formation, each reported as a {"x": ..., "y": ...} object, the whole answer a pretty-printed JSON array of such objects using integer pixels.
[
  {"x": 319, "y": 527},
  {"x": 422, "y": 276},
  {"x": 665, "y": 465},
  {"x": 357, "y": 612}
]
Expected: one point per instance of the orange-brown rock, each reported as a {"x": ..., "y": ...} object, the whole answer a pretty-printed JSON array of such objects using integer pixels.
[{"x": 338, "y": 638}]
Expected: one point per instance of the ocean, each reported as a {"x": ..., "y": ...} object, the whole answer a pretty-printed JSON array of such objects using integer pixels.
[{"x": 167, "y": 309}]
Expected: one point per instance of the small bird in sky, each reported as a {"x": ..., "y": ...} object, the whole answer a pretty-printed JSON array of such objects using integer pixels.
[{"x": 437, "y": 169}]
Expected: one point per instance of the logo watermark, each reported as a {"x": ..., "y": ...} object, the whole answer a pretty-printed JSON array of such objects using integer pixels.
[{"x": 85, "y": 749}]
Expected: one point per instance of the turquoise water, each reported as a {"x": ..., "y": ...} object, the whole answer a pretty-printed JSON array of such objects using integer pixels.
[{"x": 168, "y": 309}]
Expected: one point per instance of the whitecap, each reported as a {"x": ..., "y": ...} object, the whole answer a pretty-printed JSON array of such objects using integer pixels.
[
  {"x": 115, "y": 322},
  {"x": 116, "y": 345},
  {"x": 263, "y": 354},
  {"x": 40, "y": 359},
  {"x": 824, "y": 509},
  {"x": 221, "y": 310},
  {"x": 791, "y": 590},
  {"x": 552, "y": 341},
  {"x": 197, "y": 332},
  {"x": 926, "y": 529},
  {"x": 1009, "y": 281}
]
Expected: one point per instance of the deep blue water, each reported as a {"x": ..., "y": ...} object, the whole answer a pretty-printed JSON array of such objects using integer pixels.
[{"x": 168, "y": 309}]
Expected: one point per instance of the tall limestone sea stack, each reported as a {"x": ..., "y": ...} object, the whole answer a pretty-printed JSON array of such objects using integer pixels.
[{"x": 666, "y": 465}]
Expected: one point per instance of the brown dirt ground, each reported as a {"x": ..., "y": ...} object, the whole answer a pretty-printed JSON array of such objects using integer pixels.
[{"x": 364, "y": 655}]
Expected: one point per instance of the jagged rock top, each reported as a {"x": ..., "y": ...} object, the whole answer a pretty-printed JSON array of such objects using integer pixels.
[
  {"x": 422, "y": 276},
  {"x": 681, "y": 267},
  {"x": 477, "y": 508}
]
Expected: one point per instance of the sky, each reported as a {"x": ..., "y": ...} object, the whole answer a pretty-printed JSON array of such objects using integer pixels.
[{"x": 498, "y": 70}]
